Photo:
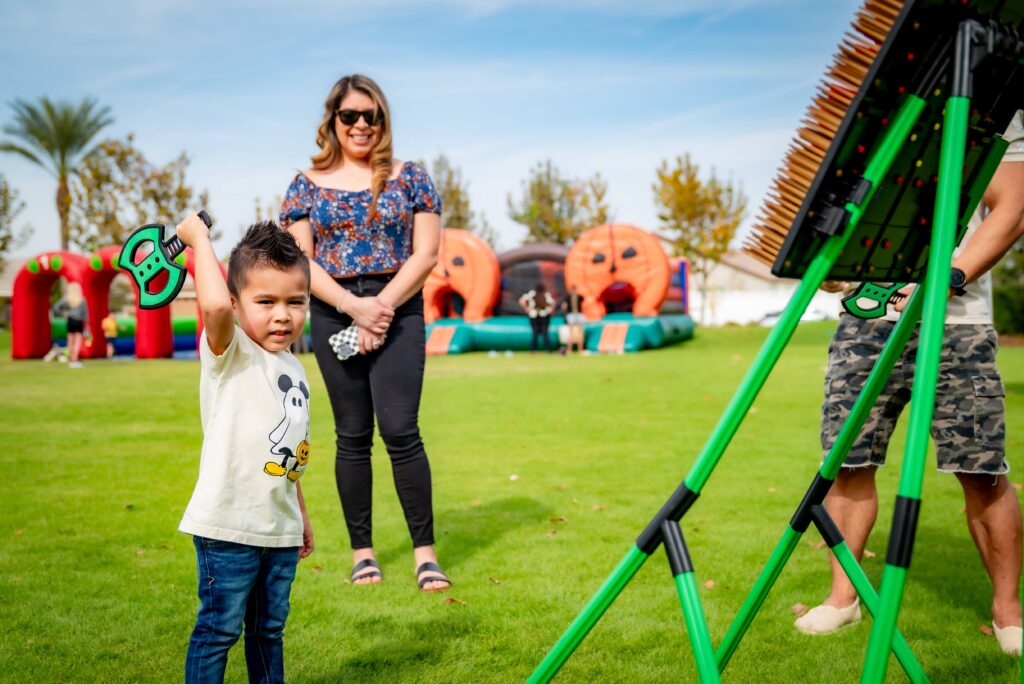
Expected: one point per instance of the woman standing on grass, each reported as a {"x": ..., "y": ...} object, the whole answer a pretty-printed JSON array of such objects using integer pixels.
[
  {"x": 539, "y": 305},
  {"x": 371, "y": 227}
]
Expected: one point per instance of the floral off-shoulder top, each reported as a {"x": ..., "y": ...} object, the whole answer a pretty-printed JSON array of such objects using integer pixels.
[{"x": 345, "y": 243}]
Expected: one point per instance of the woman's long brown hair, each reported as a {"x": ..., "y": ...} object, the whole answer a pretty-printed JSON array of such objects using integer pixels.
[{"x": 381, "y": 156}]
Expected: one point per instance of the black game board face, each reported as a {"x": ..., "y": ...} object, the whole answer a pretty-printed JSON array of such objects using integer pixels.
[{"x": 890, "y": 243}]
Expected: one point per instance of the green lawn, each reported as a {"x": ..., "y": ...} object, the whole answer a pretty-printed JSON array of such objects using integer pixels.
[{"x": 545, "y": 470}]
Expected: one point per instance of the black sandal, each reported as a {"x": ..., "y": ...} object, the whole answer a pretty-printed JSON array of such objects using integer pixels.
[
  {"x": 366, "y": 563},
  {"x": 439, "y": 577}
]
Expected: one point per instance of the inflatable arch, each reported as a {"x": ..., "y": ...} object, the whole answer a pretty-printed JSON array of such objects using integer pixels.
[
  {"x": 30, "y": 306},
  {"x": 466, "y": 266},
  {"x": 618, "y": 253},
  {"x": 30, "y": 321}
]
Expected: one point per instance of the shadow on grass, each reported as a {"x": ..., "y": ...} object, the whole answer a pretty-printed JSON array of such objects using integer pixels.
[
  {"x": 464, "y": 532},
  {"x": 392, "y": 649}
]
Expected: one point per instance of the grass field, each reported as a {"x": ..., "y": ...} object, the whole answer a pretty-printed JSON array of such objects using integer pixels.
[{"x": 545, "y": 470}]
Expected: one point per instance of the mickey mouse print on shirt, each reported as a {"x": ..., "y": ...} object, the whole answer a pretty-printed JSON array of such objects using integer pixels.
[{"x": 290, "y": 439}]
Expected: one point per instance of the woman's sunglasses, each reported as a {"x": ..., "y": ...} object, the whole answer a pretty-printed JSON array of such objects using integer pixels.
[{"x": 372, "y": 117}]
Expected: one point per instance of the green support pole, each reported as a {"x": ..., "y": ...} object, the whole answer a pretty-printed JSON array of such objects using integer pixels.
[
  {"x": 589, "y": 616},
  {"x": 700, "y": 640},
  {"x": 881, "y": 160},
  {"x": 869, "y": 598},
  {"x": 689, "y": 599},
  {"x": 929, "y": 353}
]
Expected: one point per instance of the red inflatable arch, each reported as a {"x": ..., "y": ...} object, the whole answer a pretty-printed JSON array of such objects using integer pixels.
[
  {"x": 466, "y": 266},
  {"x": 30, "y": 322},
  {"x": 30, "y": 306},
  {"x": 618, "y": 253}
]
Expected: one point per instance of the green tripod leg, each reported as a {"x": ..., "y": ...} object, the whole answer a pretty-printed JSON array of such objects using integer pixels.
[
  {"x": 834, "y": 538},
  {"x": 879, "y": 164},
  {"x": 936, "y": 288},
  {"x": 689, "y": 599}
]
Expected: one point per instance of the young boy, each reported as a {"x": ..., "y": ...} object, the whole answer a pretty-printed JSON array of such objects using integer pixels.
[{"x": 247, "y": 515}]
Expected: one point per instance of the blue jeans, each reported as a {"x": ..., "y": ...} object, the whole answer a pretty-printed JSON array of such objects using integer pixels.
[{"x": 240, "y": 585}]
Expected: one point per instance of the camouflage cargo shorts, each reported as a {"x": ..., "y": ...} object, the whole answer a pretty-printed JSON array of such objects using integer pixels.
[{"x": 969, "y": 425}]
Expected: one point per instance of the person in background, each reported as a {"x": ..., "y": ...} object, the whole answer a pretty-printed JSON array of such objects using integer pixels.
[
  {"x": 109, "y": 325},
  {"x": 539, "y": 305},
  {"x": 78, "y": 321},
  {"x": 574, "y": 320}
]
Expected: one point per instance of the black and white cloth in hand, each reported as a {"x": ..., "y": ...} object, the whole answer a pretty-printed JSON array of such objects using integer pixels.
[{"x": 345, "y": 343}]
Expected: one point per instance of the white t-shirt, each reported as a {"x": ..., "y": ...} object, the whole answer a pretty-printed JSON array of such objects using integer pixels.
[
  {"x": 254, "y": 407},
  {"x": 974, "y": 306}
]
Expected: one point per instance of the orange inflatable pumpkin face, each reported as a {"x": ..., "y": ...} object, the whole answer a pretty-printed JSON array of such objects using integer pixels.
[
  {"x": 467, "y": 266},
  {"x": 614, "y": 253}
]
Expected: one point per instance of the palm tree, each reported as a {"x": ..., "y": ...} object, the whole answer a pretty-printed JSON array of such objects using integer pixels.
[{"x": 55, "y": 136}]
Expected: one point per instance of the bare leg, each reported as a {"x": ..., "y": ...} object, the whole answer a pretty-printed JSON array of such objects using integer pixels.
[
  {"x": 74, "y": 345},
  {"x": 993, "y": 518},
  {"x": 853, "y": 504}
]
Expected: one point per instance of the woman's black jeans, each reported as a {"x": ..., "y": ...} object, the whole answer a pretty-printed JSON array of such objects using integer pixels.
[
  {"x": 386, "y": 383},
  {"x": 539, "y": 327}
]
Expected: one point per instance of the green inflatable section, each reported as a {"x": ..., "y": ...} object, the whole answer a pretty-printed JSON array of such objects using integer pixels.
[
  {"x": 180, "y": 325},
  {"x": 513, "y": 333}
]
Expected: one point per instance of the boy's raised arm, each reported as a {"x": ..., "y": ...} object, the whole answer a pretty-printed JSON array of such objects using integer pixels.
[{"x": 211, "y": 289}]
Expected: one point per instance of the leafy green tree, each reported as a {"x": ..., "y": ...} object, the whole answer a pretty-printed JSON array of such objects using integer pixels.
[
  {"x": 10, "y": 207},
  {"x": 699, "y": 216},
  {"x": 557, "y": 209},
  {"x": 57, "y": 137},
  {"x": 117, "y": 189}
]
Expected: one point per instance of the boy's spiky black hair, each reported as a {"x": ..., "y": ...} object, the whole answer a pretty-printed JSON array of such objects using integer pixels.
[{"x": 264, "y": 245}]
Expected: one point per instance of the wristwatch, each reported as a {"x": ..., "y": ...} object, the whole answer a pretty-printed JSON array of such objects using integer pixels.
[{"x": 957, "y": 280}]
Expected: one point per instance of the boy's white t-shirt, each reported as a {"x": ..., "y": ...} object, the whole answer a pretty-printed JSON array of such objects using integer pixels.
[
  {"x": 974, "y": 306},
  {"x": 254, "y": 407}
]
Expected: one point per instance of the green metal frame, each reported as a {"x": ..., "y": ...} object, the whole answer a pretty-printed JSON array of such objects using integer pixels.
[
  {"x": 880, "y": 162},
  {"x": 931, "y": 297}
]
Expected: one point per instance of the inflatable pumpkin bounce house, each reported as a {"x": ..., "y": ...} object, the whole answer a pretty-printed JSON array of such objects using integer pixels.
[{"x": 632, "y": 295}]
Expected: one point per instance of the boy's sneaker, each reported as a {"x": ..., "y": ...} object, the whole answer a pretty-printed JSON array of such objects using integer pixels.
[
  {"x": 824, "y": 619},
  {"x": 75, "y": 364},
  {"x": 1009, "y": 639}
]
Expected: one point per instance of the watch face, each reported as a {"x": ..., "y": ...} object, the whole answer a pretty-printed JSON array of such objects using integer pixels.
[{"x": 957, "y": 278}]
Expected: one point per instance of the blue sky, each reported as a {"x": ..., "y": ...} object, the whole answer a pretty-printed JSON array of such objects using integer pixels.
[{"x": 496, "y": 85}]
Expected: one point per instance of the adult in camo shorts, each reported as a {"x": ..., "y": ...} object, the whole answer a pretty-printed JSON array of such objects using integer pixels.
[{"x": 968, "y": 427}]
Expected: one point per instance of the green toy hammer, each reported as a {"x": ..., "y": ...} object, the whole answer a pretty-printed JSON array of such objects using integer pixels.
[
  {"x": 870, "y": 300},
  {"x": 159, "y": 260}
]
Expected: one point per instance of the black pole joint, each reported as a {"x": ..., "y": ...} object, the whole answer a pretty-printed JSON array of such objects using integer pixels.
[
  {"x": 827, "y": 527},
  {"x": 674, "y": 509},
  {"x": 814, "y": 496},
  {"x": 904, "y": 526},
  {"x": 675, "y": 548}
]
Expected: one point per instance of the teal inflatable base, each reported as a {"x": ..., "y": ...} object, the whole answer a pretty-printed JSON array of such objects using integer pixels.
[{"x": 512, "y": 333}]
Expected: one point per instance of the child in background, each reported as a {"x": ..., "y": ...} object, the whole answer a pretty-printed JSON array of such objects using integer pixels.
[
  {"x": 109, "y": 325},
  {"x": 247, "y": 515}
]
